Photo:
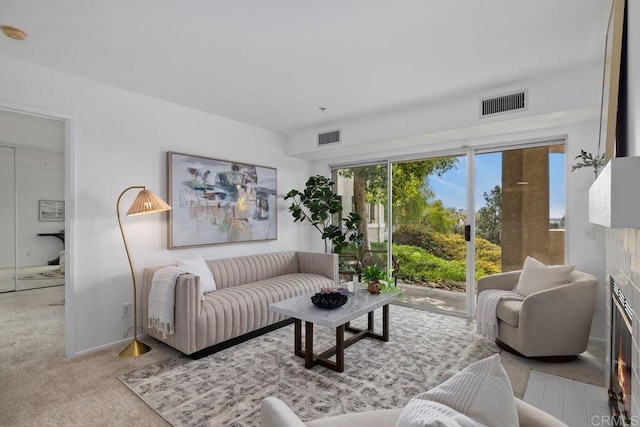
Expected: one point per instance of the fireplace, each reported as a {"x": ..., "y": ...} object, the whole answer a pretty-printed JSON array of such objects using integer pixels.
[{"x": 620, "y": 384}]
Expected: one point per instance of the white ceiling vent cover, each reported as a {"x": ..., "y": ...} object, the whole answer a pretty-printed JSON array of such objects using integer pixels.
[
  {"x": 328, "y": 138},
  {"x": 511, "y": 102}
]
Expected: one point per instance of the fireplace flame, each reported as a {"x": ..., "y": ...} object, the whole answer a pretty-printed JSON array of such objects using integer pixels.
[{"x": 621, "y": 368}]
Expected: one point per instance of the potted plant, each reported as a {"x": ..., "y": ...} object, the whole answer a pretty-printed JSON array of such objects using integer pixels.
[
  {"x": 317, "y": 204},
  {"x": 372, "y": 275}
]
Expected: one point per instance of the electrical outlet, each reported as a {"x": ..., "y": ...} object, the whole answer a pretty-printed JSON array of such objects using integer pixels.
[{"x": 126, "y": 309}]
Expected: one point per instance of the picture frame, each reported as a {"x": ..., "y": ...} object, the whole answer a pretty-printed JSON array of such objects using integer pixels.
[
  {"x": 51, "y": 210},
  {"x": 611, "y": 80},
  {"x": 218, "y": 201}
]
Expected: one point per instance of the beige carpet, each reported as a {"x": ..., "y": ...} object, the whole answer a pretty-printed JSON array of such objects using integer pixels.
[
  {"x": 377, "y": 375},
  {"x": 39, "y": 387}
]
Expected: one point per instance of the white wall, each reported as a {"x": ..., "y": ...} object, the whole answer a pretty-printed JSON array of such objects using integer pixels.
[
  {"x": 571, "y": 96},
  {"x": 27, "y": 131},
  {"x": 120, "y": 139}
]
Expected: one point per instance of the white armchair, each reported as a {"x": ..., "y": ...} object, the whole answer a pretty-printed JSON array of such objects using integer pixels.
[
  {"x": 551, "y": 323},
  {"x": 275, "y": 413}
]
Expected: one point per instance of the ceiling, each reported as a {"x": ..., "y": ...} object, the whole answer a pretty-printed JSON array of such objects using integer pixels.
[{"x": 273, "y": 63}]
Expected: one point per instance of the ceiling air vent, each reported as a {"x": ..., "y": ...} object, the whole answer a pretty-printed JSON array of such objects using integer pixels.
[
  {"x": 503, "y": 104},
  {"x": 327, "y": 138}
]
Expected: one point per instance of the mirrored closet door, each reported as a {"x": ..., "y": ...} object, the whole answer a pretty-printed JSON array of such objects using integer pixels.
[{"x": 32, "y": 213}]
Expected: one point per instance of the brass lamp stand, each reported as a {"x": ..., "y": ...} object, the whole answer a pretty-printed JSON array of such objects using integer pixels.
[{"x": 146, "y": 202}]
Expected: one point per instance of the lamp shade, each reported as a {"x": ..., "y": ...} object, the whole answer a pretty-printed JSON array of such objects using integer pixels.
[{"x": 147, "y": 202}]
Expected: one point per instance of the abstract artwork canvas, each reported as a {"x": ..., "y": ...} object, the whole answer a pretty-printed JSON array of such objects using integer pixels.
[{"x": 219, "y": 201}]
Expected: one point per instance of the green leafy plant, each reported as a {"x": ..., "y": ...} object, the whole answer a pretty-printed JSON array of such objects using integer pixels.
[
  {"x": 317, "y": 204},
  {"x": 589, "y": 160},
  {"x": 372, "y": 273}
]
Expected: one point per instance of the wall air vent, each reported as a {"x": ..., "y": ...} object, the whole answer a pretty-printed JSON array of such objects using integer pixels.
[
  {"x": 328, "y": 138},
  {"x": 504, "y": 104}
]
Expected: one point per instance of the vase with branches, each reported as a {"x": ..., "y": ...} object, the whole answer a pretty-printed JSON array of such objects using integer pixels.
[{"x": 589, "y": 160}]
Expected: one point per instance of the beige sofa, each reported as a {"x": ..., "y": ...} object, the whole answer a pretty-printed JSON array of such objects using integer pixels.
[
  {"x": 239, "y": 309},
  {"x": 554, "y": 323}
]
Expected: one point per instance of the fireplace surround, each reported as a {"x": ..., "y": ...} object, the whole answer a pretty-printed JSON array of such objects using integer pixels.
[{"x": 621, "y": 356}]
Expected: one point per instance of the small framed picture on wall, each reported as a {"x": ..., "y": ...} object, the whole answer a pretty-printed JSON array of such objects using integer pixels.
[{"x": 51, "y": 210}]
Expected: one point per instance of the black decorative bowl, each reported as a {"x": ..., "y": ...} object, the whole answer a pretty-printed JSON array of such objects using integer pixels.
[{"x": 329, "y": 300}]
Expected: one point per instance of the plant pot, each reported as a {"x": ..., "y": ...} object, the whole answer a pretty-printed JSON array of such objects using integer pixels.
[{"x": 374, "y": 287}]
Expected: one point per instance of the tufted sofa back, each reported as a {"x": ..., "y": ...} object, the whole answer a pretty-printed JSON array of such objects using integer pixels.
[{"x": 252, "y": 268}]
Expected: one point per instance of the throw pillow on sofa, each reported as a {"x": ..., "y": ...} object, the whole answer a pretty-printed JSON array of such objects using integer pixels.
[
  {"x": 481, "y": 391},
  {"x": 537, "y": 276},
  {"x": 198, "y": 267},
  {"x": 427, "y": 413}
]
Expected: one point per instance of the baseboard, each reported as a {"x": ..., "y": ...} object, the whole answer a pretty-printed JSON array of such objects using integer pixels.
[{"x": 122, "y": 343}]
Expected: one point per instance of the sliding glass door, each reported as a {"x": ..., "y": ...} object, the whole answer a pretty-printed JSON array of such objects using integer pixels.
[
  {"x": 429, "y": 206},
  {"x": 454, "y": 219}
]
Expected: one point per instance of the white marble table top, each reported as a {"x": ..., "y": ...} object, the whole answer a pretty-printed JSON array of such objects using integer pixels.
[{"x": 358, "y": 304}]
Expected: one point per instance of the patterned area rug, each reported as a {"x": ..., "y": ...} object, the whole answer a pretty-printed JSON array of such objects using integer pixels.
[{"x": 225, "y": 389}]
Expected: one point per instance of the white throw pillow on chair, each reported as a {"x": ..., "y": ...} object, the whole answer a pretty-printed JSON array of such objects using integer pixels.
[{"x": 537, "y": 276}]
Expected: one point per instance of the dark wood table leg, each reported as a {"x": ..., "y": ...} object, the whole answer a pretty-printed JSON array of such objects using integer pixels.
[
  {"x": 297, "y": 331},
  {"x": 370, "y": 321},
  {"x": 385, "y": 323},
  {"x": 340, "y": 349},
  {"x": 308, "y": 345}
]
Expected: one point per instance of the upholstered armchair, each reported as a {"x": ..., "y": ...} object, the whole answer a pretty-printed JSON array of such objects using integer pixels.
[{"x": 552, "y": 322}]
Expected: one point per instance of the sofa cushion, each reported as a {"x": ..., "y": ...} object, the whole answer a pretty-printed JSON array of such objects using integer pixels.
[
  {"x": 509, "y": 311},
  {"x": 232, "y": 312},
  {"x": 536, "y": 276},
  {"x": 481, "y": 391}
]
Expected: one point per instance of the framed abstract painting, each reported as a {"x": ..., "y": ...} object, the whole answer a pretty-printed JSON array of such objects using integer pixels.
[{"x": 219, "y": 201}]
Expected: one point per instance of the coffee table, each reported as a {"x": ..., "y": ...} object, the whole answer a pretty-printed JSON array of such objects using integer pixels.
[{"x": 360, "y": 303}]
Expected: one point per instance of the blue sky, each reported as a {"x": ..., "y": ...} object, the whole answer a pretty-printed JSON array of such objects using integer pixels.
[{"x": 451, "y": 188}]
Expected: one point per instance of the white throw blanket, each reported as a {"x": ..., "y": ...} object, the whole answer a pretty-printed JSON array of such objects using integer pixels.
[
  {"x": 486, "y": 311},
  {"x": 162, "y": 300}
]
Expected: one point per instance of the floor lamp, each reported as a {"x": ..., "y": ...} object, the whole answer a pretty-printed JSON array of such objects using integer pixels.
[{"x": 146, "y": 202}]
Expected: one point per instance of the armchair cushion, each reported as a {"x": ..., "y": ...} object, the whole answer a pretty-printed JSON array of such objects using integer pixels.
[
  {"x": 537, "y": 277},
  {"x": 509, "y": 311}
]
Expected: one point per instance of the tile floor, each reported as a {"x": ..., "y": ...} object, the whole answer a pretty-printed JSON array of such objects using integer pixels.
[{"x": 575, "y": 403}]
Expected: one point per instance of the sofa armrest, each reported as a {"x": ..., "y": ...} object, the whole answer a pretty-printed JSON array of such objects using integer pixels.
[
  {"x": 503, "y": 281},
  {"x": 318, "y": 263},
  {"x": 275, "y": 413},
  {"x": 187, "y": 310},
  {"x": 530, "y": 416}
]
